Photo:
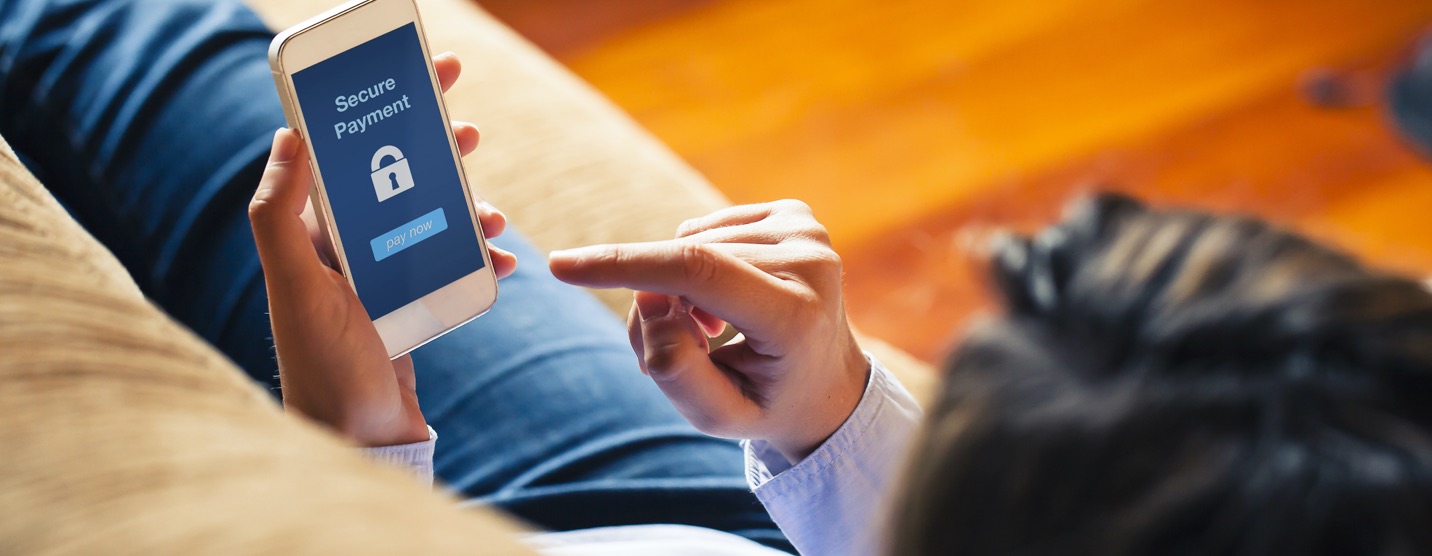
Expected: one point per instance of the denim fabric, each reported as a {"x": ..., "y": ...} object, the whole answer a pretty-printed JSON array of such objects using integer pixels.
[{"x": 151, "y": 119}]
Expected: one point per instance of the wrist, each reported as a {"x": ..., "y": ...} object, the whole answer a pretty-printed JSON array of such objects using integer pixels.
[
  {"x": 826, "y": 411},
  {"x": 407, "y": 432},
  {"x": 364, "y": 425}
]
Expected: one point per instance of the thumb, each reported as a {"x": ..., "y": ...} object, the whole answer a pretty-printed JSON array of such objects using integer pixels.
[
  {"x": 674, "y": 352},
  {"x": 669, "y": 341},
  {"x": 275, "y": 213}
]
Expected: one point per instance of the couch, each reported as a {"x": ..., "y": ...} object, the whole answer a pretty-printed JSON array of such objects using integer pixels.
[{"x": 123, "y": 432}]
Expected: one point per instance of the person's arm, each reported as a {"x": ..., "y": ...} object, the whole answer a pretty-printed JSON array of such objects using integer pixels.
[
  {"x": 333, "y": 367},
  {"x": 833, "y": 501},
  {"x": 790, "y": 382}
]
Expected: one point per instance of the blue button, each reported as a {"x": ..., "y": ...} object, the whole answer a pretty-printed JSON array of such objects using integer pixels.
[{"x": 408, "y": 235}]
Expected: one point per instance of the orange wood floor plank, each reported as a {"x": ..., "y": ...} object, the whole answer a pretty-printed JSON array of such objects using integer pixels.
[
  {"x": 918, "y": 101},
  {"x": 911, "y": 124}
]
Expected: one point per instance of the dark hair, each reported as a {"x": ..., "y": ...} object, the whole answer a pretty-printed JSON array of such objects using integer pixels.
[{"x": 1170, "y": 383}]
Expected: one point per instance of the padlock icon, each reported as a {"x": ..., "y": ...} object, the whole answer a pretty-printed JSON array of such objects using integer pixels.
[{"x": 394, "y": 178}]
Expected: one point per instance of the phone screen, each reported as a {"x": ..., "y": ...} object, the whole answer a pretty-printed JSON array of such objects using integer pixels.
[{"x": 394, "y": 192}]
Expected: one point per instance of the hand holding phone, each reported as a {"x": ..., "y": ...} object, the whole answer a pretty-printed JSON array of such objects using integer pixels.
[
  {"x": 333, "y": 364},
  {"x": 389, "y": 195}
]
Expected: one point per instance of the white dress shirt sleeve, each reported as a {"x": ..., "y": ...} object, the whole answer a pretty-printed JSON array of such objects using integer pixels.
[
  {"x": 834, "y": 501},
  {"x": 415, "y": 458}
]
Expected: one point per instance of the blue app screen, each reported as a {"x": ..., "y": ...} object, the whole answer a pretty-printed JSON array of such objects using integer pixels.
[{"x": 380, "y": 144}]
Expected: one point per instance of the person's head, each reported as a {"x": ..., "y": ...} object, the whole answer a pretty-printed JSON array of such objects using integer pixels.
[{"x": 1167, "y": 383}]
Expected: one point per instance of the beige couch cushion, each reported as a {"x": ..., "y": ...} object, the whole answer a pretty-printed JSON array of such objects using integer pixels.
[{"x": 123, "y": 432}]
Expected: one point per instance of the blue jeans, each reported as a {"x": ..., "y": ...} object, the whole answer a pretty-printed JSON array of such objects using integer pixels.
[{"x": 151, "y": 119}]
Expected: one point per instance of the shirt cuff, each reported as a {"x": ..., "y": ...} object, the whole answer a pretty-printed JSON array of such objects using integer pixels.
[
  {"x": 825, "y": 502},
  {"x": 415, "y": 458}
]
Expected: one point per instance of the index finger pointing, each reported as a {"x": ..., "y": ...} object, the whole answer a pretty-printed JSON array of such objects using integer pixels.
[{"x": 731, "y": 289}]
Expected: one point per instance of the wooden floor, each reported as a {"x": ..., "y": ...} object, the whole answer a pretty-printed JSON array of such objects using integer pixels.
[{"x": 911, "y": 125}]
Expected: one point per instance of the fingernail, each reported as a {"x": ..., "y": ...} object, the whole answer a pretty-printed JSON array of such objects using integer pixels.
[
  {"x": 283, "y": 146},
  {"x": 651, "y": 306},
  {"x": 575, "y": 253}
]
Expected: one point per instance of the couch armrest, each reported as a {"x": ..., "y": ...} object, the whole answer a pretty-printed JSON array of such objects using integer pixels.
[{"x": 122, "y": 431}]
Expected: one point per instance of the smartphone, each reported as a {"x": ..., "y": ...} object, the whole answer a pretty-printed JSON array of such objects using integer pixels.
[{"x": 389, "y": 190}]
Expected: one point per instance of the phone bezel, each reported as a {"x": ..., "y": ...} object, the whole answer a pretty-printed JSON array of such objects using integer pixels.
[{"x": 320, "y": 38}]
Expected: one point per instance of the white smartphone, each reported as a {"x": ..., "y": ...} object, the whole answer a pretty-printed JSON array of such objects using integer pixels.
[{"x": 389, "y": 191}]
